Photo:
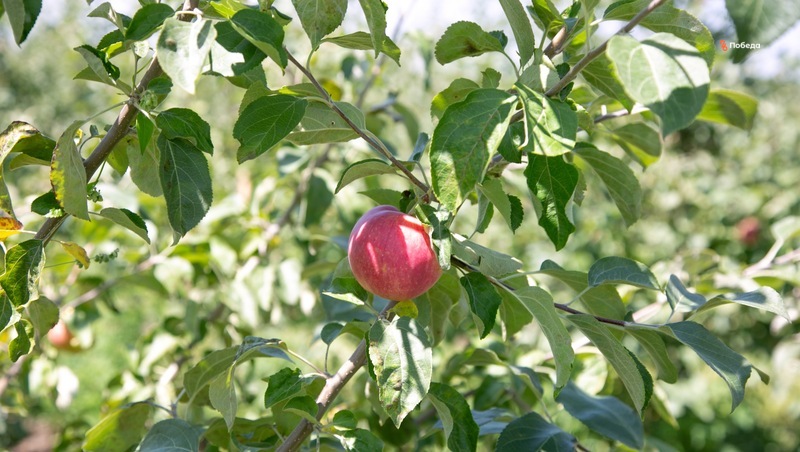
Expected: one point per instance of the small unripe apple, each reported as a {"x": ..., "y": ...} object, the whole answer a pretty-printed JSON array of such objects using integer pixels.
[
  {"x": 390, "y": 254},
  {"x": 60, "y": 336}
]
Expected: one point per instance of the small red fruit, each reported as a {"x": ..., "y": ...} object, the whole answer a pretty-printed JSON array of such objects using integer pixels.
[
  {"x": 60, "y": 336},
  {"x": 390, "y": 254},
  {"x": 748, "y": 231}
]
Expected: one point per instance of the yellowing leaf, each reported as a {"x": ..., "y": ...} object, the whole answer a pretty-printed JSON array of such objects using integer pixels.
[
  {"x": 406, "y": 308},
  {"x": 77, "y": 252},
  {"x": 8, "y": 227}
]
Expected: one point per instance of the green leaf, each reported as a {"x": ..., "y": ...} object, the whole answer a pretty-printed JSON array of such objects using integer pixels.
[
  {"x": 540, "y": 304},
  {"x": 44, "y": 315},
  {"x": 679, "y": 297},
  {"x": 282, "y": 386},
  {"x": 184, "y": 123},
  {"x": 600, "y": 74},
  {"x": 67, "y": 174},
  {"x": 634, "y": 376},
  {"x": 21, "y": 345},
  {"x": 729, "y": 107},
  {"x": 262, "y": 31},
  {"x": 265, "y": 122},
  {"x": 641, "y": 141},
  {"x": 344, "y": 285},
  {"x": 127, "y": 220},
  {"x": 106, "y": 11},
  {"x": 666, "y": 18},
  {"x": 22, "y": 15},
  {"x": 400, "y": 358},
  {"x": 607, "y": 416},
  {"x": 172, "y": 435},
  {"x": 602, "y": 300},
  {"x": 330, "y": 332},
  {"x": 618, "y": 178},
  {"x": 620, "y": 270},
  {"x": 375, "y": 11},
  {"x": 147, "y": 20},
  {"x": 532, "y": 432},
  {"x": 222, "y": 394},
  {"x": 232, "y": 54},
  {"x": 361, "y": 169},
  {"x": 360, "y": 440},
  {"x": 460, "y": 428},
  {"x": 186, "y": 182},
  {"x": 120, "y": 430},
  {"x": 24, "y": 264},
  {"x": 465, "y": 39},
  {"x": 456, "y": 92},
  {"x": 521, "y": 27},
  {"x": 20, "y": 137},
  {"x": 464, "y": 141},
  {"x": 320, "y": 17},
  {"x": 486, "y": 260},
  {"x": 765, "y": 298},
  {"x": 510, "y": 207},
  {"x": 761, "y": 23},
  {"x": 303, "y": 406},
  {"x": 440, "y": 236},
  {"x": 439, "y": 300},
  {"x": 319, "y": 198},
  {"x": 652, "y": 342},
  {"x": 546, "y": 16},
  {"x": 483, "y": 300},
  {"x": 490, "y": 78},
  {"x": 8, "y": 315},
  {"x": 731, "y": 366},
  {"x": 144, "y": 131},
  {"x": 552, "y": 181},
  {"x": 363, "y": 41},
  {"x": 182, "y": 50},
  {"x": 323, "y": 125},
  {"x": 663, "y": 73},
  {"x": 209, "y": 368},
  {"x": 552, "y": 125},
  {"x": 384, "y": 196},
  {"x": 144, "y": 166}
]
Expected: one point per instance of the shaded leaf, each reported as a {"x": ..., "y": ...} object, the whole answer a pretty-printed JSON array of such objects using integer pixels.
[
  {"x": 265, "y": 122},
  {"x": 760, "y": 22},
  {"x": 283, "y": 385},
  {"x": 639, "y": 140},
  {"x": 486, "y": 260},
  {"x": 209, "y": 368},
  {"x": 127, "y": 220},
  {"x": 552, "y": 181},
  {"x": 172, "y": 435},
  {"x": 607, "y": 416},
  {"x": 510, "y": 207},
  {"x": 731, "y": 366},
  {"x": 465, "y": 39},
  {"x": 262, "y": 31},
  {"x": 729, "y": 107},
  {"x": 600, "y": 74},
  {"x": 620, "y": 270},
  {"x": 146, "y": 20},
  {"x": 184, "y": 123},
  {"x": 120, "y": 430},
  {"x": 22, "y": 344},
  {"x": 456, "y": 92},
  {"x": 460, "y": 428},
  {"x": 679, "y": 297},
  {"x": 634, "y": 376},
  {"x": 363, "y": 168},
  {"x": 618, "y": 178},
  {"x": 532, "y": 432},
  {"x": 652, "y": 342},
  {"x": 483, "y": 300}
]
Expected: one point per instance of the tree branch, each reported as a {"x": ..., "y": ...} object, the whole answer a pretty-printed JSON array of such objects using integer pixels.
[
  {"x": 116, "y": 133},
  {"x": 575, "y": 70},
  {"x": 375, "y": 144},
  {"x": 333, "y": 385}
]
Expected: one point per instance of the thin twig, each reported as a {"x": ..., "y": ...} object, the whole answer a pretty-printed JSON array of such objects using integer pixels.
[
  {"x": 333, "y": 385},
  {"x": 115, "y": 134},
  {"x": 375, "y": 144},
  {"x": 575, "y": 70}
]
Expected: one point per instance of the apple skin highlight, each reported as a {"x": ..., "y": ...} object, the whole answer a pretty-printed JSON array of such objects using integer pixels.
[{"x": 390, "y": 254}]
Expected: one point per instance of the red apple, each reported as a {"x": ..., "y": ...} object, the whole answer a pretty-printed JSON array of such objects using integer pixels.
[
  {"x": 60, "y": 336},
  {"x": 748, "y": 231},
  {"x": 391, "y": 256}
]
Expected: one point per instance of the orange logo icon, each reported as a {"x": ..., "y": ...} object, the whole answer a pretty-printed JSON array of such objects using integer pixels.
[{"x": 723, "y": 45}]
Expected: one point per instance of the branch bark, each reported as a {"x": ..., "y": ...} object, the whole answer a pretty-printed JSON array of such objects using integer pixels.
[
  {"x": 116, "y": 133},
  {"x": 333, "y": 385}
]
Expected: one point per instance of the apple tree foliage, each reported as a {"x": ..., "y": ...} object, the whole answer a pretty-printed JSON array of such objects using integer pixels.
[{"x": 520, "y": 152}]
